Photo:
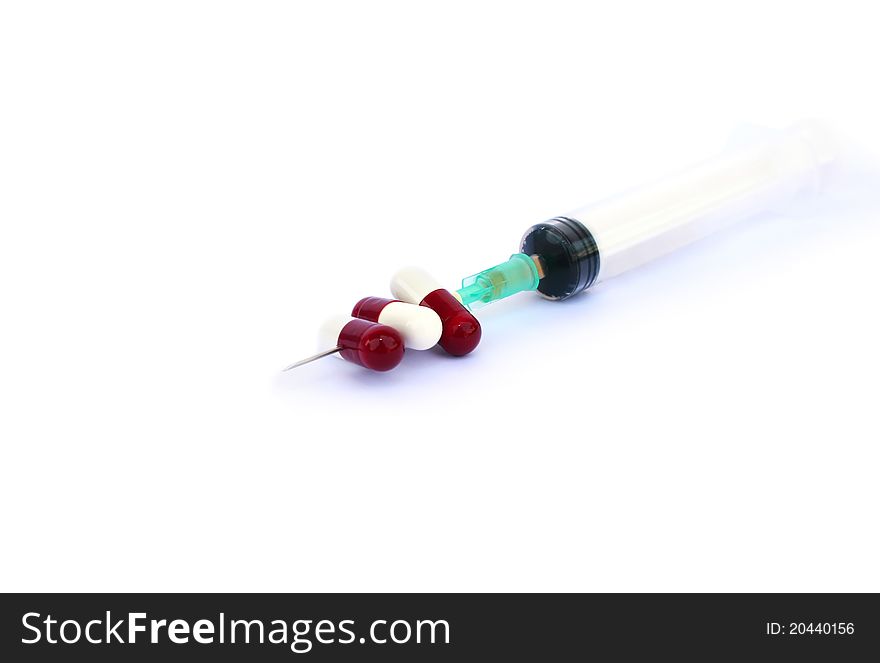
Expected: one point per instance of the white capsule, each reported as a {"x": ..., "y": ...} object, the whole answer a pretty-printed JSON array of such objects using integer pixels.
[
  {"x": 419, "y": 326},
  {"x": 413, "y": 284}
]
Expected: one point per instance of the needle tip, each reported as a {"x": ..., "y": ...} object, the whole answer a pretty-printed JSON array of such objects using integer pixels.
[{"x": 313, "y": 358}]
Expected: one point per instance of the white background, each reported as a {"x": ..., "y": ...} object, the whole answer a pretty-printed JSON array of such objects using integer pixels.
[{"x": 187, "y": 188}]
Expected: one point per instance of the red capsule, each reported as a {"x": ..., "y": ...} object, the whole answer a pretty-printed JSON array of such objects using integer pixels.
[
  {"x": 374, "y": 346},
  {"x": 419, "y": 326},
  {"x": 461, "y": 330}
]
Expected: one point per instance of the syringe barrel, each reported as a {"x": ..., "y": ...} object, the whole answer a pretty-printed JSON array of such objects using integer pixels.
[{"x": 613, "y": 236}]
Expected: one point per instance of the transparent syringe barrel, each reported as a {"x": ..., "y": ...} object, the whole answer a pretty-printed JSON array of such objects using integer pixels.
[{"x": 647, "y": 222}]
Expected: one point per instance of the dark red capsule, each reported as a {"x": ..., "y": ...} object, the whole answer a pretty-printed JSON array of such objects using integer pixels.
[
  {"x": 461, "y": 330},
  {"x": 374, "y": 346}
]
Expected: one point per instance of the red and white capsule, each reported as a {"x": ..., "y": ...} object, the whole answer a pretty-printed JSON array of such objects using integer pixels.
[
  {"x": 368, "y": 344},
  {"x": 419, "y": 326},
  {"x": 461, "y": 330}
]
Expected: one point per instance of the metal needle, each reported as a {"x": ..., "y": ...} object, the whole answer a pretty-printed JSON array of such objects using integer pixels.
[{"x": 313, "y": 358}]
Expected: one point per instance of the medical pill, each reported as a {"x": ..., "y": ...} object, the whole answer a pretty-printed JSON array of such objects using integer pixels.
[
  {"x": 461, "y": 330},
  {"x": 419, "y": 326},
  {"x": 368, "y": 344}
]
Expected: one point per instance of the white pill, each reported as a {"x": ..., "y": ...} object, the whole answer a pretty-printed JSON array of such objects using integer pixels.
[
  {"x": 413, "y": 284},
  {"x": 419, "y": 326}
]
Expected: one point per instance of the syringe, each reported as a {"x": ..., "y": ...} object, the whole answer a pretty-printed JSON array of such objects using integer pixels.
[{"x": 571, "y": 253}]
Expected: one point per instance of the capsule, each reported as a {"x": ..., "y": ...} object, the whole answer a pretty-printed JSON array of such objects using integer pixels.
[
  {"x": 419, "y": 326},
  {"x": 461, "y": 330},
  {"x": 368, "y": 344}
]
